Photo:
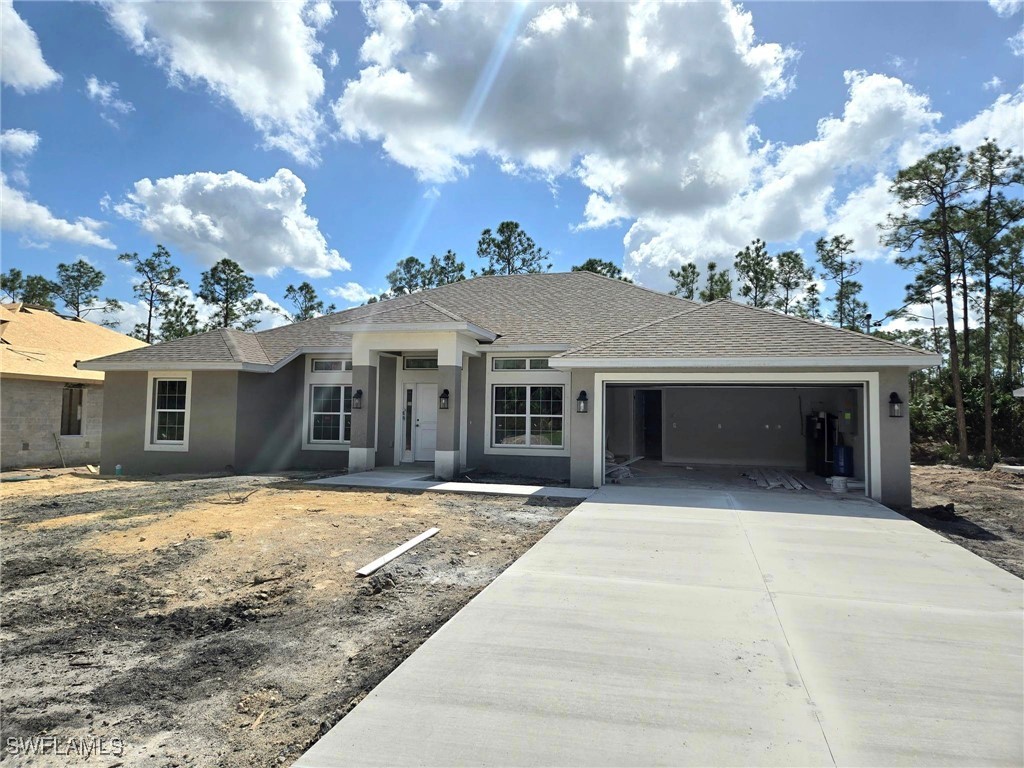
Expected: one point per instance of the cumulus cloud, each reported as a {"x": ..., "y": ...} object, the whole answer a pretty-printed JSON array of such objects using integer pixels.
[
  {"x": 105, "y": 94},
  {"x": 22, "y": 66},
  {"x": 353, "y": 293},
  {"x": 260, "y": 57},
  {"x": 647, "y": 105},
  {"x": 263, "y": 225},
  {"x": 18, "y": 143},
  {"x": 20, "y": 213},
  {"x": 1006, "y": 7}
]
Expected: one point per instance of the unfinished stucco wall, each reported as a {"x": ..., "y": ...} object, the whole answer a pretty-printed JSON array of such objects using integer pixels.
[
  {"x": 211, "y": 425},
  {"x": 30, "y": 413}
]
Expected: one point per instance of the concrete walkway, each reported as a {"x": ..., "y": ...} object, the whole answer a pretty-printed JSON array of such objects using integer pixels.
[
  {"x": 659, "y": 627},
  {"x": 418, "y": 480}
]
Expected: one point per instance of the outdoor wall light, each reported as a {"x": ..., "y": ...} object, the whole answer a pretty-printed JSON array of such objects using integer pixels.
[
  {"x": 895, "y": 406},
  {"x": 357, "y": 399},
  {"x": 581, "y": 402},
  {"x": 443, "y": 400}
]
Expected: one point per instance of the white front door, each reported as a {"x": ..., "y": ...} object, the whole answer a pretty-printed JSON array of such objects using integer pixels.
[{"x": 425, "y": 422}]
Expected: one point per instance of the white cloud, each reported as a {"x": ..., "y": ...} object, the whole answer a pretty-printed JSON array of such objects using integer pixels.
[
  {"x": 353, "y": 293},
  {"x": 263, "y": 225},
  {"x": 993, "y": 85},
  {"x": 105, "y": 94},
  {"x": 258, "y": 56},
  {"x": 1006, "y": 7},
  {"x": 18, "y": 142},
  {"x": 22, "y": 66},
  {"x": 20, "y": 213},
  {"x": 333, "y": 59},
  {"x": 660, "y": 94}
]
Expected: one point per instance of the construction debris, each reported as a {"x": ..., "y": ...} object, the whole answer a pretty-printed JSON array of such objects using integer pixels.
[
  {"x": 366, "y": 570},
  {"x": 776, "y": 478}
]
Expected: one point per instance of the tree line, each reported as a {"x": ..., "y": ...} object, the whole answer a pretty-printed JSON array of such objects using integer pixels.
[
  {"x": 959, "y": 235},
  {"x": 225, "y": 288}
]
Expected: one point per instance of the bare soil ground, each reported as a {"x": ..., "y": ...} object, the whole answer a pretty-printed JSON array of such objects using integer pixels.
[
  {"x": 218, "y": 621},
  {"x": 982, "y": 511}
]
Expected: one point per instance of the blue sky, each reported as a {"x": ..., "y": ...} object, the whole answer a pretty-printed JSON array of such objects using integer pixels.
[{"x": 390, "y": 167}]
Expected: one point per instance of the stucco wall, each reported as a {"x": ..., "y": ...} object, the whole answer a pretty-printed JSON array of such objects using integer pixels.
[
  {"x": 30, "y": 413},
  {"x": 387, "y": 369},
  {"x": 211, "y": 425},
  {"x": 895, "y": 439}
]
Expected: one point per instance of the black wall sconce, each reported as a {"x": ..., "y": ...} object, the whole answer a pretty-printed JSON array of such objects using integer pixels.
[
  {"x": 581, "y": 402},
  {"x": 895, "y": 406},
  {"x": 357, "y": 400},
  {"x": 443, "y": 400}
]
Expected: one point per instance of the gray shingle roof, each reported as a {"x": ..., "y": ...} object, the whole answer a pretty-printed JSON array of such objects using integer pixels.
[
  {"x": 726, "y": 329},
  {"x": 222, "y": 345},
  {"x": 591, "y": 315},
  {"x": 421, "y": 311}
]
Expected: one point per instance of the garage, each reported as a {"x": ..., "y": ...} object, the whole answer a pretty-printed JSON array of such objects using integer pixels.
[{"x": 738, "y": 433}]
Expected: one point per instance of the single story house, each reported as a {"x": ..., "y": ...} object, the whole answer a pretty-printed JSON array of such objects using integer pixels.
[
  {"x": 51, "y": 412},
  {"x": 545, "y": 375}
]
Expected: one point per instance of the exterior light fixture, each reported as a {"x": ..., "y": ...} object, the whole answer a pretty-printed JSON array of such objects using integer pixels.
[
  {"x": 357, "y": 399},
  {"x": 895, "y": 406},
  {"x": 443, "y": 400},
  {"x": 581, "y": 402}
]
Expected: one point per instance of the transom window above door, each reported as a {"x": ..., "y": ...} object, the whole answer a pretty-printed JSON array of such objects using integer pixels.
[
  {"x": 327, "y": 366},
  {"x": 420, "y": 363},
  {"x": 520, "y": 364}
]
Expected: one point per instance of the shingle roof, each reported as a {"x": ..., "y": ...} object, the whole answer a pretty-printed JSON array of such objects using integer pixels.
[
  {"x": 38, "y": 343},
  {"x": 421, "y": 311},
  {"x": 727, "y": 329},
  {"x": 567, "y": 308},
  {"x": 591, "y": 315},
  {"x": 221, "y": 345}
]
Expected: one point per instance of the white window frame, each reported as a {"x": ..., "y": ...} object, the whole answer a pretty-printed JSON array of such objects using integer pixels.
[
  {"x": 329, "y": 378},
  {"x": 149, "y": 443},
  {"x": 343, "y": 413},
  {"x": 528, "y": 416},
  {"x": 538, "y": 377}
]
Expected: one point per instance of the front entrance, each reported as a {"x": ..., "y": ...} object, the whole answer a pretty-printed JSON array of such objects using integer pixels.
[{"x": 420, "y": 422}]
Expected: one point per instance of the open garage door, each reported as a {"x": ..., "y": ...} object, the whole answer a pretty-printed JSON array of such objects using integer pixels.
[{"x": 743, "y": 435}]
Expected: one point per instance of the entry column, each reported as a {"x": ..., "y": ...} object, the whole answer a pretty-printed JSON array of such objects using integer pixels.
[
  {"x": 362, "y": 449},
  {"x": 446, "y": 453}
]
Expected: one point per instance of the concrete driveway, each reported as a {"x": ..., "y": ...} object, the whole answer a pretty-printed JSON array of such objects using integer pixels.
[{"x": 664, "y": 627}]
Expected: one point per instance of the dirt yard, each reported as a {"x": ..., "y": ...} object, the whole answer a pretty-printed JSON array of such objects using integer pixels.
[
  {"x": 218, "y": 621},
  {"x": 981, "y": 511}
]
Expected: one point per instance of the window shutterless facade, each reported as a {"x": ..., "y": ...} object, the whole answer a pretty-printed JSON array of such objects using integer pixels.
[
  {"x": 527, "y": 416},
  {"x": 330, "y": 417}
]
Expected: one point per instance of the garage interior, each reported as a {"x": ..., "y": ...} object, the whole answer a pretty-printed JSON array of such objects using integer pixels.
[{"x": 733, "y": 434}]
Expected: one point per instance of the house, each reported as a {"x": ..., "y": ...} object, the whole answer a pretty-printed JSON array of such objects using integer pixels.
[
  {"x": 1018, "y": 392},
  {"x": 51, "y": 412},
  {"x": 542, "y": 375}
]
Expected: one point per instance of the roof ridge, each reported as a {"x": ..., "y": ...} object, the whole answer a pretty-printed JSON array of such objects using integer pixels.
[
  {"x": 443, "y": 311},
  {"x": 818, "y": 324},
  {"x": 688, "y": 310}
]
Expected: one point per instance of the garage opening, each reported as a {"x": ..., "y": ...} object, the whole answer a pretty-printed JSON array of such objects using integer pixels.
[{"x": 766, "y": 435}]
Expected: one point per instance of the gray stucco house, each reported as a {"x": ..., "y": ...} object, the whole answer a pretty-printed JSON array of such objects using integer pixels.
[{"x": 545, "y": 375}]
